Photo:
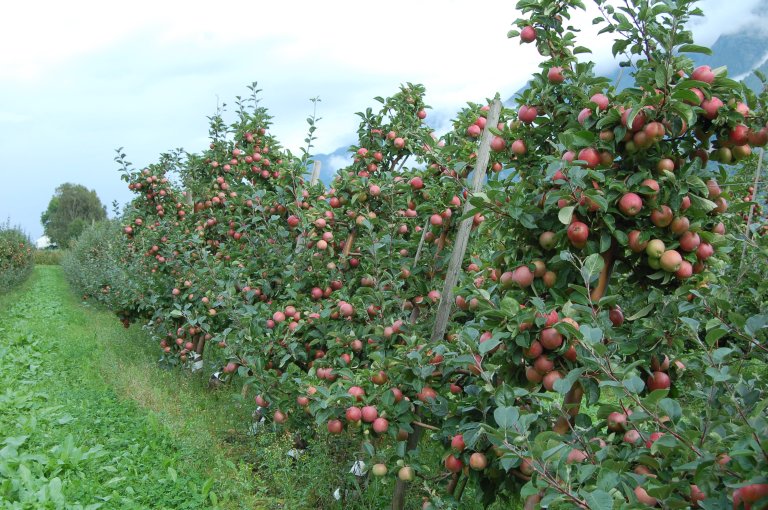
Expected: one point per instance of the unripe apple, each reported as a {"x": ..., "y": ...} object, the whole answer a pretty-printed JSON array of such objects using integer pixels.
[
  {"x": 478, "y": 461},
  {"x": 547, "y": 240},
  {"x": 379, "y": 469},
  {"x": 670, "y": 261},
  {"x": 655, "y": 248},
  {"x": 406, "y": 474}
]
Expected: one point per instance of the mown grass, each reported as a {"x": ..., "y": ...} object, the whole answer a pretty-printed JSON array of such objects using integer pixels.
[
  {"x": 82, "y": 427},
  {"x": 48, "y": 257}
]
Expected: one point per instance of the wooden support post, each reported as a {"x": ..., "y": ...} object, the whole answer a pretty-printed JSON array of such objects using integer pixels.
[
  {"x": 459, "y": 249},
  {"x": 315, "y": 173},
  {"x": 758, "y": 171},
  {"x": 462, "y": 238}
]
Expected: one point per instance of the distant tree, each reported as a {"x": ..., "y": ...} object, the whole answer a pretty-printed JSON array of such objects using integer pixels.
[{"x": 72, "y": 208}]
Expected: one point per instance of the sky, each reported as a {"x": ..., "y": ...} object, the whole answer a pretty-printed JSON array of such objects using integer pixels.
[{"x": 79, "y": 79}]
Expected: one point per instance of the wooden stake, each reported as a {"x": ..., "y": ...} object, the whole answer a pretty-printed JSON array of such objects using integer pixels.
[
  {"x": 459, "y": 249},
  {"x": 747, "y": 232},
  {"x": 462, "y": 238},
  {"x": 315, "y": 173}
]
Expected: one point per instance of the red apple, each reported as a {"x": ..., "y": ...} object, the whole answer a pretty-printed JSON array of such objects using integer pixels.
[
  {"x": 369, "y": 414},
  {"x": 555, "y": 75},
  {"x": 630, "y": 204},
  {"x": 380, "y": 425},
  {"x": 551, "y": 339},
  {"x": 478, "y": 461},
  {"x": 578, "y": 233},
  {"x": 703, "y": 73},
  {"x": 527, "y": 34},
  {"x": 527, "y": 114},
  {"x": 658, "y": 381},
  {"x": 453, "y": 464},
  {"x": 335, "y": 426}
]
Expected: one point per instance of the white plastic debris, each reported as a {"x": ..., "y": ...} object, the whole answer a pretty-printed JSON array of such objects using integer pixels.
[
  {"x": 294, "y": 453},
  {"x": 358, "y": 468},
  {"x": 197, "y": 363},
  {"x": 337, "y": 494}
]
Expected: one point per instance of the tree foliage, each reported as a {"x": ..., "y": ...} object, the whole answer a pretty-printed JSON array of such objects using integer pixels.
[{"x": 72, "y": 208}]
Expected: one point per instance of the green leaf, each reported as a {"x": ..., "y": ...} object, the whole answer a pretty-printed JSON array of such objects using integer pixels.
[
  {"x": 693, "y": 48},
  {"x": 506, "y": 417},
  {"x": 591, "y": 335},
  {"x": 642, "y": 312},
  {"x": 565, "y": 214},
  {"x": 691, "y": 323},
  {"x": 685, "y": 95},
  {"x": 563, "y": 386},
  {"x": 599, "y": 500},
  {"x": 755, "y": 323},
  {"x": 593, "y": 264},
  {"x": 671, "y": 408},
  {"x": 488, "y": 346},
  {"x": 634, "y": 384},
  {"x": 714, "y": 335}
]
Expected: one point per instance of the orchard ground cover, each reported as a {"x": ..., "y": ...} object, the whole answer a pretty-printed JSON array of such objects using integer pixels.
[
  {"x": 83, "y": 420},
  {"x": 88, "y": 421}
]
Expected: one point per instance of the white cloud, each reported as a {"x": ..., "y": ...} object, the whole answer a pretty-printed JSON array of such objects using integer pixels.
[{"x": 82, "y": 77}]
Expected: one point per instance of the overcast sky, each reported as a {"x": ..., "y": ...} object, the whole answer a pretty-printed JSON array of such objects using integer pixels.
[{"x": 81, "y": 78}]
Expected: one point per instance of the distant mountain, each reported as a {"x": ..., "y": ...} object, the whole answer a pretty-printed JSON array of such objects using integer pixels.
[{"x": 742, "y": 52}]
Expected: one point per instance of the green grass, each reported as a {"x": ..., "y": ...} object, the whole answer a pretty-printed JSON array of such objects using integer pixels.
[{"x": 88, "y": 421}]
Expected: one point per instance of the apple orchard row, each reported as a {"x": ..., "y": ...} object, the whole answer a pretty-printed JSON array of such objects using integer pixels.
[{"x": 598, "y": 203}]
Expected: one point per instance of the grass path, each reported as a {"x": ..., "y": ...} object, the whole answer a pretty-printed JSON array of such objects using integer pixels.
[{"x": 87, "y": 420}]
